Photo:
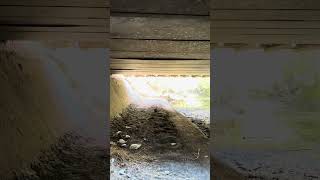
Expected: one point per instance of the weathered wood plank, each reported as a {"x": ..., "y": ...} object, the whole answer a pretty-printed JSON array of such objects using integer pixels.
[
  {"x": 266, "y": 24},
  {"x": 266, "y": 38},
  {"x": 57, "y": 12},
  {"x": 270, "y": 31},
  {"x": 53, "y": 36},
  {"x": 163, "y": 27},
  {"x": 64, "y": 3},
  {"x": 185, "y": 47},
  {"x": 153, "y": 64},
  {"x": 86, "y": 44},
  {"x": 265, "y": 4},
  {"x": 185, "y": 7},
  {"x": 266, "y": 15},
  {"x": 88, "y": 29},
  {"x": 54, "y": 21},
  {"x": 157, "y": 55},
  {"x": 160, "y": 72},
  {"x": 161, "y": 62}
]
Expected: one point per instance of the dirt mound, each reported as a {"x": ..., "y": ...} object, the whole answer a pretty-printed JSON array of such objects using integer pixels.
[
  {"x": 70, "y": 158},
  {"x": 157, "y": 130},
  {"x": 150, "y": 127}
]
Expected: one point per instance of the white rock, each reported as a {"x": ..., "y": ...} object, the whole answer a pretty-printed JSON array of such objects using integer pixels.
[
  {"x": 166, "y": 172},
  {"x": 122, "y": 172},
  {"x": 127, "y": 136},
  {"x": 112, "y": 143},
  {"x": 112, "y": 160},
  {"x": 119, "y": 132},
  {"x": 135, "y": 146},
  {"x": 124, "y": 145},
  {"x": 128, "y": 127},
  {"x": 173, "y": 144},
  {"x": 121, "y": 141}
]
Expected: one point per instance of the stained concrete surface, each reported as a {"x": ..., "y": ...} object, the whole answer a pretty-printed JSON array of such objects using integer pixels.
[{"x": 46, "y": 94}]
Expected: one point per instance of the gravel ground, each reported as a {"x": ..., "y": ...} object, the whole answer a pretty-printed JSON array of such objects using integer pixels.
[
  {"x": 168, "y": 170},
  {"x": 296, "y": 164},
  {"x": 71, "y": 158}
]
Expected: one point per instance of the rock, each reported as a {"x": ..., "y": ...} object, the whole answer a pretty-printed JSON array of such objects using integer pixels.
[
  {"x": 127, "y": 136},
  {"x": 121, "y": 141},
  {"x": 112, "y": 143},
  {"x": 135, "y": 146},
  {"x": 124, "y": 145},
  {"x": 173, "y": 144},
  {"x": 112, "y": 160},
  {"x": 144, "y": 139},
  {"x": 128, "y": 127},
  {"x": 119, "y": 132},
  {"x": 166, "y": 172},
  {"x": 122, "y": 172}
]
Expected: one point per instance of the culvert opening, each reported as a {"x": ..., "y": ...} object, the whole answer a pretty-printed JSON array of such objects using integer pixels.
[{"x": 163, "y": 130}]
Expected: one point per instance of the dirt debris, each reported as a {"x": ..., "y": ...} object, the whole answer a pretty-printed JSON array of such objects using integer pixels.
[{"x": 71, "y": 158}]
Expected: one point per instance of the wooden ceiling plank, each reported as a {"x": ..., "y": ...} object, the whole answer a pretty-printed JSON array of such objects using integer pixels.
[
  {"x": 62, "y": 12},
  {"x": 52, "y": 3},
  {"x": 178, "y": 28}
]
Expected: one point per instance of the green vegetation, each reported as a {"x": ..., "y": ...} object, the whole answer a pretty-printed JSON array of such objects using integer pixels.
[{"x": 203, "y": 92}]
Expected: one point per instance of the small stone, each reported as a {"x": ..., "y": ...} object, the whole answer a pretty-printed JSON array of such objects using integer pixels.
[
  {"x": 206, "y": 156},
  {"x": 166, "y": 172},
  {"x": 127, "y": 136},
  {"x": 124, "y": 145},
  {"x": 112, "y": 143},
  {"x": 128, "y": 127},
  {"x": 112, "y": 160},
  {"x": 135, "y": 146},
  {"x": 121, "y": 141},
  {"x": 122, "y": 172},
  {"x": 144, "y": 139},
  {"x": 119, "y": 132},
  {"x": 173, "y": 144}
]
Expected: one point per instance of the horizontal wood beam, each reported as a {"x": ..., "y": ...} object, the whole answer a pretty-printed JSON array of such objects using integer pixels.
[
  {"x": 266, "y": 15},
  {"x": 265, "y": 4},
  {"x": 61, "y": 3},
  {"x": 161, "y": 27},
  {"x": 54, "y": 12},
  {"x": 185, "y": 7}
]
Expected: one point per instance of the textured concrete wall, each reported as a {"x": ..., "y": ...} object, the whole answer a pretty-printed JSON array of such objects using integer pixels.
[
  {"x": 262, "y": 98},
  {"x": 46, "y": 93},
  {"x": 119, "y": 99}
]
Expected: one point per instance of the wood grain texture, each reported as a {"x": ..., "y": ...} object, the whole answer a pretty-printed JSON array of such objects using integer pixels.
[
  {"x": 265, "y": 4},
  {"x": 185, "y": 7},
  {"x": 61, "y": 3},
  {"x": 161, "y": 27},
  {"x": 55, "y": 20}
]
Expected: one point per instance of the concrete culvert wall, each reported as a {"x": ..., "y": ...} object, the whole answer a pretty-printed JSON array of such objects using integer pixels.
[
  {"x": 50, "y": 113},
  {"x": 119, "y": 99}
]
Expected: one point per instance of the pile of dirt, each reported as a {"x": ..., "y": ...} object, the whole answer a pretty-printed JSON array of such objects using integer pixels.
[
  {"x": 202, "y": 125},
  {"x": 70, "y": 158},
  {"x": 152, "y": 128},
  {"x": 158, "y": 131}
]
